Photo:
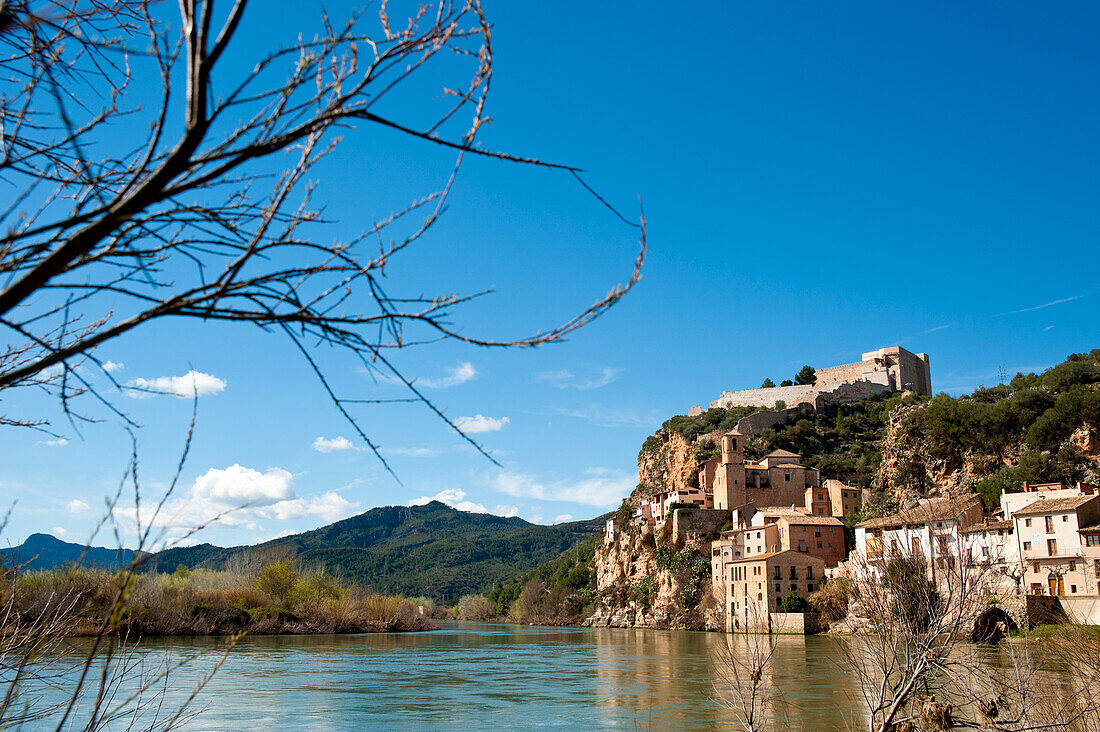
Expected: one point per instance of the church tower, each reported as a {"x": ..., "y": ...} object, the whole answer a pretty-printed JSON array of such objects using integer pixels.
[{"x": 729, "y": 478}]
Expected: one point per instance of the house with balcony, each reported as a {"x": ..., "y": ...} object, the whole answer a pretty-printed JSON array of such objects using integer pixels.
[
  {"x": 1053, "y": 536},
  {"x": 934, "y": 530}
]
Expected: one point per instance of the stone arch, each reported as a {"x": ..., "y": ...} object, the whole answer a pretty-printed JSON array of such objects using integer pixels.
[{"x": 992, "y": 625}]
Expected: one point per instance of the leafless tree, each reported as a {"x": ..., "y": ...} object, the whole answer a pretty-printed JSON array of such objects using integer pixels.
[
  {"x": 153, "y": 169},
  {"x": 65, "y": 665},
  {"x": 744, "y": 671},
  {"x": 916, "y": 667}
]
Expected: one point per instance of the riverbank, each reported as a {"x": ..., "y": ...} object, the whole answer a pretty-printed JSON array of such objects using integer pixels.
[{"x": 279, "y": 599}]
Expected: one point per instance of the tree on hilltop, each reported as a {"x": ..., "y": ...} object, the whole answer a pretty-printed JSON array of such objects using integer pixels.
[
  {"x": 806, "y": 376},
  {"x": 768, "y": 384}
]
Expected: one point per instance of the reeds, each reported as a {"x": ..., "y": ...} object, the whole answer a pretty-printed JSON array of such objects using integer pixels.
[{"x": 206, "y": 602}]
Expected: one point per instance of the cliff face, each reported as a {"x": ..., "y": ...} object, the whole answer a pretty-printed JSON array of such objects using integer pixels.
[
  {"x": 655, "y": 581},
  {"x": 670, "y": 466},
  {"x": 915, "y": 465}
]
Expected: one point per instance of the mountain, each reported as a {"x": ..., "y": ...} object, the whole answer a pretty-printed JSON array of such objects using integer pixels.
[
  {"x": 43, "y": 551},
  {"x": 431, "y": 550}
]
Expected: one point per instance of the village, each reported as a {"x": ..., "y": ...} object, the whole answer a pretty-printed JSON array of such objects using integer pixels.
[{"x": 782, "y": 526}]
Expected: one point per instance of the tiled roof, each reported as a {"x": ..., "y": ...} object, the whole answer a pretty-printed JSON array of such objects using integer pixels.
[
  {"x": 1090, "y": 528},
  {"x": 935, "y": 510},
  {"x": 991, "y": 526},
  {"x": 782, "y": 453},
  {"x": 1054, "y": 505},
  {"x": 794, "y": 516}
]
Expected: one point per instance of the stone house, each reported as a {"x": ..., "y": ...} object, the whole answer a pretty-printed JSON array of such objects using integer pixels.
[
  {"x": 1049, "y": 532},
  {"x": 756, "y": 585},
  {"x": 821, "y": 536},
  {"x": 779, "y": 479}
]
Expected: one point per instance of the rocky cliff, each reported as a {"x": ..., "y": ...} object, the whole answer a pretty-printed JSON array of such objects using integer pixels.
[{"x": 658, "y": 580}]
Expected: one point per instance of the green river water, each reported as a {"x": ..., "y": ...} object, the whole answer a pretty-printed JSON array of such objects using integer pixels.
[{"x": 473, "y": 676}]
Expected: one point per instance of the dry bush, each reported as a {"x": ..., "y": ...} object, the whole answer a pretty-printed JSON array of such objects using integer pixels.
[{"x": 474, "y": 607}]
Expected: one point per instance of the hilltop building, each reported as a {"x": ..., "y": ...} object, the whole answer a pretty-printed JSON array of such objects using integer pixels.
[{"x": 891, "y": 369}]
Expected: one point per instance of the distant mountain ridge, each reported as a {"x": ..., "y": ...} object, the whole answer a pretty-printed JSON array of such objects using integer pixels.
[
  {"x": 431, "y": 550},
  {"x": 44, "y": 551}
]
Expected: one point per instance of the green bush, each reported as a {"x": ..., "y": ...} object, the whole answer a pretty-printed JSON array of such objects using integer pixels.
[
  {"x": 280, "y": 580},
  {"x": 794, "y": 602}
]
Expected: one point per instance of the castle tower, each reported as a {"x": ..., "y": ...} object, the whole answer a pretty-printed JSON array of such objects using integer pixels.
[{"x": 729, "y": 478}]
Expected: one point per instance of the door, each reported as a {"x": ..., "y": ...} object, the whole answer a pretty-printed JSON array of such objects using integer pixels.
[{"x": 1057, "y": 585}]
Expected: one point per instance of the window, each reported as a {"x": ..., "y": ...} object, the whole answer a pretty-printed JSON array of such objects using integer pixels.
[
  {"x": 794, "y": 572},
  {"x": 1027, "y": 522},
  {"x": 1073, "y": 566},
  {"x": 809, "y": 572},
  {"x": 810, "y": 587},
  {"x": 778, "y": 588},
  {"x": 1052, "y": 547},
  {"x": 1050, "y": 524},
  {"x": 802, "y": 546},
  {"x": 778, "y": 572},
  {"x": 1027, "y": 546},
  {"x": 1073, "y": 589},
  {"x": 1035, "y": 567},
  {"x": 1092, "y": 540},
  {"x": 1065, "y": 517},
  {"x": 786, "y": 477},
  {"x": 817, "y": 533}
]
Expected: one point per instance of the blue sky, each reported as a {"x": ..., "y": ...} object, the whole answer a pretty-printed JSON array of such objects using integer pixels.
[{"x": 819, "y": 180}]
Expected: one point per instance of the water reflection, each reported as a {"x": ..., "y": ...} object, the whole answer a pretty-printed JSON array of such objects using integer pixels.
[{"x": 479, "y": 676}]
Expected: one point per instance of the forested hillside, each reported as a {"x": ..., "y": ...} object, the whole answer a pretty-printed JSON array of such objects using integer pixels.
[{"x": 431, "y": 551}]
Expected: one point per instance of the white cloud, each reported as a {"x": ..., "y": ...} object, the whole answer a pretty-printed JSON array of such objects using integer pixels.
[
  {"x": 113, "y": 366},
  {"x": 604, "y": 491},
  {"x": 1049, "y": 327},
  {"x": 59, "y": 442},
  {"x": 242, "y": 497},
  {"x": 411, "y": 451},
  {"x": 480, "y": 423},
  {"x": 453, "y": 497},
  {"x": 1040, "y": 307},
  {"x": 460, "y": 374},
  {"x": 193, "y": 383},
  {"x": 562, "y": 518},
  {"x": 323, "y": 444},
  {"x": 77, "y": 506},
  {"x": 565, "y": 379},
  {"x": 506, "y": 511},
  {"x": 60, "y": 531}
]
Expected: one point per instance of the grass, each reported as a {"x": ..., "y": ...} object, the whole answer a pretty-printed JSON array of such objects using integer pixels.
[{"x": 280, "y": 599}]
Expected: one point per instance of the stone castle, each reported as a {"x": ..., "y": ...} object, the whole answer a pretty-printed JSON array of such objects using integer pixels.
[{"x": 887, "y": 369}]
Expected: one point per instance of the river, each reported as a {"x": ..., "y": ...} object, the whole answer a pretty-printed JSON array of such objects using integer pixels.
[{"x": 475, "y": 676}]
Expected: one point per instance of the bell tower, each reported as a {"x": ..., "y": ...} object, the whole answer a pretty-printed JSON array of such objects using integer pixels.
[{"x": 729, "y": 478}]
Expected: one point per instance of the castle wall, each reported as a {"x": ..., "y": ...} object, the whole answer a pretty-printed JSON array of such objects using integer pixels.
[
  {"x": 792, "y": 395},
  {"x": 846, "y": 372}
]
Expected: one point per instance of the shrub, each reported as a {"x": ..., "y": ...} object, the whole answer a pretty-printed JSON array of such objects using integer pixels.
[
  {"x": 793, "y": 603},
  {"x": 474, "y": 607},
  {"x": 780, "y": 404},
  {"x": 280, "y": 580},
  {"x": 768, "y": 384}
]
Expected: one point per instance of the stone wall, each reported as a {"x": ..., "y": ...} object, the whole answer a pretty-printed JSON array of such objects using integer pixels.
[
  {"x": 754, "y": 424},
  {"x": 702, "y": 522},
  {"x": 846, "y": 372},
  {"x": 1083, "y": 610},
  {"x": 788, "y": 623},
  {"x": 792, "y": 395}
]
